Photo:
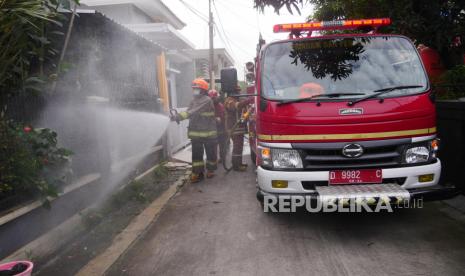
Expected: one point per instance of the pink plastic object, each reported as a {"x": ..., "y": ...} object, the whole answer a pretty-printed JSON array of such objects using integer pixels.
[{"x": 10, "y": 265}]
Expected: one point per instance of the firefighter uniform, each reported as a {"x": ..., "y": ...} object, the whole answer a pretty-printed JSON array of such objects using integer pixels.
[
  {"x": 234, "y": 110},
  {"x": 202, "y": 132},
  {"x": 219, "y": 115}
]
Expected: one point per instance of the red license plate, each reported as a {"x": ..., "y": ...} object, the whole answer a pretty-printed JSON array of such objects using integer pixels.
[{"x": 355, "y": 176}]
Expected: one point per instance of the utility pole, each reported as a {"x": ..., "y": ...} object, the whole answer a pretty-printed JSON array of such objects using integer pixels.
[{"x": 211, "y": 60}]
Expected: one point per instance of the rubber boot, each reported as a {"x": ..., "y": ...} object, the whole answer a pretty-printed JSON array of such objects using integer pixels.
[
  {"x": 196, "y": 177},
  {"x": 210, "y": 174},
  {"x": 240, "y": 168}
]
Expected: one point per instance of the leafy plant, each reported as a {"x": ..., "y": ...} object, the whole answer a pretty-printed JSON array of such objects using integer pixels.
[
  {"x": 92, "y": 217},
  {"x": 25, "y": 32},
  {"x": 451, "y": 85},
  {"x": 278, "y": 4},
  {"x": 160, "y": 172},
  {"x": 436, "y": 23},
  {"x": 31, "y": 162}
]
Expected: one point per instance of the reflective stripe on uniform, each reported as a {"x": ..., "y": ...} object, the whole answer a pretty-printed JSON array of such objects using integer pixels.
[
  {"x": 201, "y": 134},
  {"x": 211, "y": 162},
  {"x": 207, "y": 114},
  {"x": 184, "y": 115},
  {"x": 197, "y": 164}
]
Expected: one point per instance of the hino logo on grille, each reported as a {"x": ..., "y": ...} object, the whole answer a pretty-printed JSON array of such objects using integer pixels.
[
  {"x": 352, "y": 150},
  {"x": 351, "y": 111}
]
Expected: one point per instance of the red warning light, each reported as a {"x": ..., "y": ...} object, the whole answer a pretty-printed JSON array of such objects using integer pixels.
[{"x": 331, "y": 25}]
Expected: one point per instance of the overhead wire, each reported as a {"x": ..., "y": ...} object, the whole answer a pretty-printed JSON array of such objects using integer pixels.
[
  {"x": 229, "y": 41},
  {"x": 226, "y": 44},
  {"x": 232, "y": 41},
  {"x": 231, "y": 10},
  {"x": 221, "y": 33},
  {"x": 195, "y": 11},
  {"x": 225, "y": 37}
]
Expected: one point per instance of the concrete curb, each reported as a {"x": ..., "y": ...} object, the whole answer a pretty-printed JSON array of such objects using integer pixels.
[
  {"x": 100, "y": 264},
  {"x": 85, "y": 180},
  {"x": 52, "y": 240}
]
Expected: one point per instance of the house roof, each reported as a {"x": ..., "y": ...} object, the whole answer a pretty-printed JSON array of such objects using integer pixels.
[
  {"x": 100, "y": 16},
  {"x": 155, "y": 9},
  {"x": 204, "y": 53},
  {"x": 164, "y": 34}
]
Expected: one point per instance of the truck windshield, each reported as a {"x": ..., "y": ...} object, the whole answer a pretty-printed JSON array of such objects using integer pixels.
[{"x": 352, "y": 67}]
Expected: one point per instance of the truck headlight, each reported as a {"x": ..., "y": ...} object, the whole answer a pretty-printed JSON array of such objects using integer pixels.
[
  {"x": 279, "y": 158},
  {"x": 286, "y": 159},
  {"x": 417, "y": 155}
]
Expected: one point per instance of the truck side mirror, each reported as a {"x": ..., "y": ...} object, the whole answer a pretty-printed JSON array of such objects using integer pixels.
[
  {"x": 228, "y": 79},
  {"x": 250, "y": 77},
  {"x": 250, "y": 66}
]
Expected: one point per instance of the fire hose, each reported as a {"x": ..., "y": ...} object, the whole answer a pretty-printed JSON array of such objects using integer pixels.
[{"x": 174, "y": 114}]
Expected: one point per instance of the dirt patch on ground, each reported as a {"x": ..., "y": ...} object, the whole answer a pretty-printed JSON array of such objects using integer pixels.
[{"x": 104, "y": 223}]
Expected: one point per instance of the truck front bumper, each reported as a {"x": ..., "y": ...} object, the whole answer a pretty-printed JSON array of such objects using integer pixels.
[{"x": 411, "y": 188}]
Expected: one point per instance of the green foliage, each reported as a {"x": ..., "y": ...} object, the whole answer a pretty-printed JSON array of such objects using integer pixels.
[
  {"x": 92, "y": 217},
  {"x": 25, "y": 33},
  {"x": 31, "y": 162},
  {"x": 435, "y": 23},
  {"x": 291, "y": 5},
  {"x": 455, "y": 76},
  {"x": 160, "y": 172},
  {"x": 451, "y": 85}
]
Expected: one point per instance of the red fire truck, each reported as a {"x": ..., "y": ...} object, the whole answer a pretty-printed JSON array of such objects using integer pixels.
[{"x": 344, "y": 115}]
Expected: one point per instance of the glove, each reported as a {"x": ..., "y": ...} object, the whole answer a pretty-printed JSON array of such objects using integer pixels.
[{"x": 173, "y": 118}]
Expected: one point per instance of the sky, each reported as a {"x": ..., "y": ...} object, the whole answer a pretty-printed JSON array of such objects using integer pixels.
[{"x": 238, "y": 23}]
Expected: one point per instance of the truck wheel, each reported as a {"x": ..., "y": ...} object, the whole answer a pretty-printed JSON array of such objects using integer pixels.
[{"x": 260, "y": 199}]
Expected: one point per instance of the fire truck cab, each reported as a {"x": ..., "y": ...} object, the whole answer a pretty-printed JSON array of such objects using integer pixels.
[{"x": 344, "y": 115}]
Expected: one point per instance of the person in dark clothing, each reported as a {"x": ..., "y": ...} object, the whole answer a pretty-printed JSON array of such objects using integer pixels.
[
  {"x": 219, "y": 115},
  {"x": 202, "y": 130},
  {"x": 234, "y": 110}
]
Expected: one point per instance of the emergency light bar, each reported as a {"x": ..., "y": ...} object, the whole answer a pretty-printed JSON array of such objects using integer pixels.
[{"x": 331, "y": 25}]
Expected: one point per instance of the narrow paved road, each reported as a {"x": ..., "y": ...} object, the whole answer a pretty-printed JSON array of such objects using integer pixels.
[{"x": 217, "y": 228}]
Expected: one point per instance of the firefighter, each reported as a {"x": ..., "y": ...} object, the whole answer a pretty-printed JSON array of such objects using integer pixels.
[
  {"x": 234, "y": 109},
  {"x": 219, "y": 116},
  {"x": 202, "y": 130},
  {"x": 310, "y": 89}
]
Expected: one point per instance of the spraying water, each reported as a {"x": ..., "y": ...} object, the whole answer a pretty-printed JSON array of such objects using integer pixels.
[{"x": 107, "y": 140}]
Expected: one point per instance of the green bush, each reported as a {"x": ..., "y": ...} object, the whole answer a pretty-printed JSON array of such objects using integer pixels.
[
  {"x": 451, "y": 84},
  {"x": 27, "y": 58},
  {"x": 31, "y": 162}
]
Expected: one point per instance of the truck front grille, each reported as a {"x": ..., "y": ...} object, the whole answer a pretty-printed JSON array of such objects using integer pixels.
[{"x": 377, "y": 154}]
